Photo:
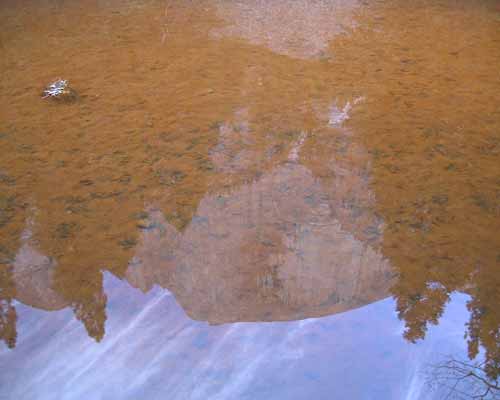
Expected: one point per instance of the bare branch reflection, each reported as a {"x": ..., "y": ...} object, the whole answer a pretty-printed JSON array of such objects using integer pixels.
[{"x": 462, "y": 380}]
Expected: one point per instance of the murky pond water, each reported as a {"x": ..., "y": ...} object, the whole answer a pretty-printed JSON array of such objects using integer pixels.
[{"x": 250, "y": 199}]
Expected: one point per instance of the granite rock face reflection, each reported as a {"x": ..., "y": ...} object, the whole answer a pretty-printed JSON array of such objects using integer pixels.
[
  {"x": 298, "y": 29},
  {"x": 276, "y": 248},
  {"x": 33, "y": 274}
]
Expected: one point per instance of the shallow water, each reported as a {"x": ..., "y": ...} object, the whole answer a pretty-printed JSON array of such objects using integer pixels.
[{"x": 248, "y": 199}]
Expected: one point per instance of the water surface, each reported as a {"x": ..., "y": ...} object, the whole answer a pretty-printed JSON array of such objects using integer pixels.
[{"x": 249, "y": 199}]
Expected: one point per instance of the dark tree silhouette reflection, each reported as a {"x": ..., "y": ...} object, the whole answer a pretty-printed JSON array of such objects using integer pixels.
[
  {"x": 462, "y": 380},
  {"x": 8, "y": 315},
  {"x": 89, "y": 306}
]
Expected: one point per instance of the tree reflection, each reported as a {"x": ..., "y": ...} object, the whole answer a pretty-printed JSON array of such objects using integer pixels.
[
  {"x": 8, "y": 315},
  {"x": 484, "y": 325},
  {"x": 435, "y": 172},
  {"x": 84, "y": 292},
  {"x": 424, "y": 305},
  {"x": 458, "y": 379}
]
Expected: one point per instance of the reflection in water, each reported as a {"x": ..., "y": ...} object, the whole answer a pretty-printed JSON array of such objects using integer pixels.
[
  {"x": 271, "y": 250},
  {"x": 262, "y": 162},
  {"x": 151, "y": 348},
  {"x": 294, "y": 28},
  {"x": 463, "y": 379},
  {"x": 281, "y": 247},
  {"x": 8, "y": 315},
  {"x": 33, "y": 275}
]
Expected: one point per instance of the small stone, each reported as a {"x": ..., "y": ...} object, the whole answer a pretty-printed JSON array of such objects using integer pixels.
[{"x": 60, "y": 90}]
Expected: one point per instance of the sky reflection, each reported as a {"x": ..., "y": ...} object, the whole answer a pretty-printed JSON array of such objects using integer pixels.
[{"x": 152, "y": 348}]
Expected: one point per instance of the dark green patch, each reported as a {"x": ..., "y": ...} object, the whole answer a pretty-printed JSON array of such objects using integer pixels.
[
  {"x": 125, "y": 179},
  {"x": 483, "y": 203},
  {"x": 6, "y": 255},
  {"x": 140, "y": 215},
  {"x": 25, "y": 148},
  {"x": 7, "y": 209},
  {"x": 146, "y": 226},
  {"x": 73, "y": 204},
  {"x": 127, "y": 243},
  {"x": 169, "y": 177},
  {"x": 205, "y": 165},
  {"x": 7, "y": 180},
  {"x": 440, "y": 199},
  {"x": 66, "y": 230},
  {"x": 216, "y": 125},
  {"x": 105, "y": 195}
]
